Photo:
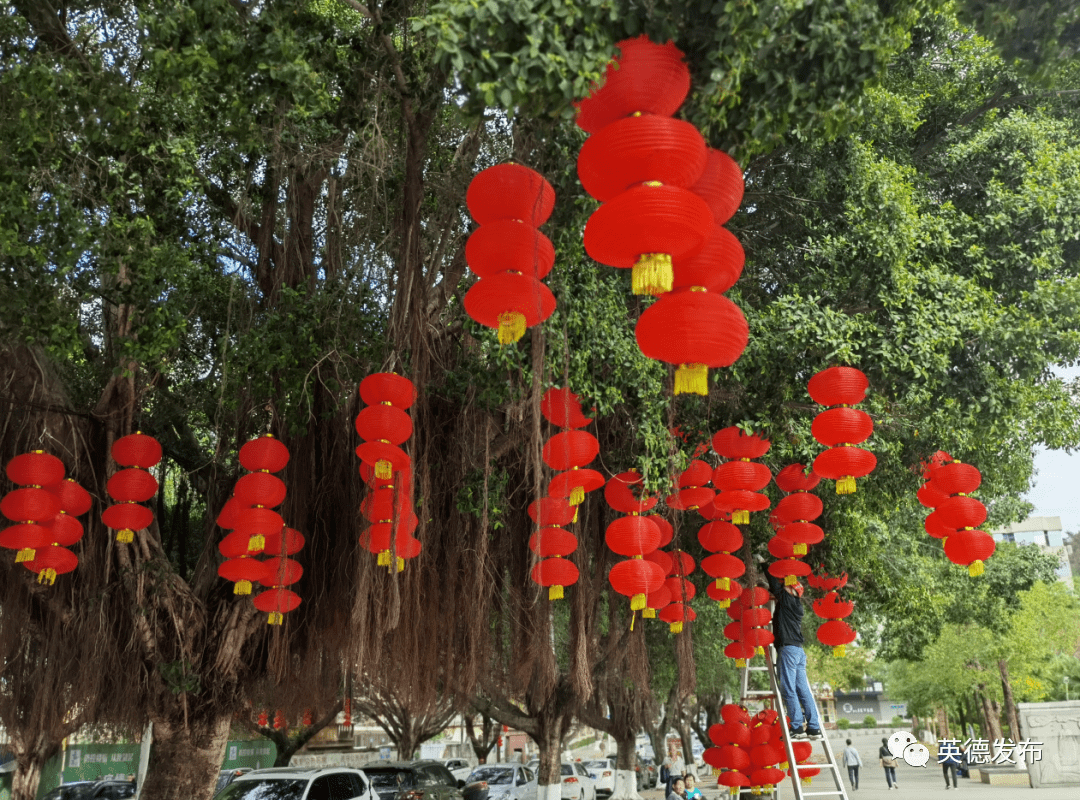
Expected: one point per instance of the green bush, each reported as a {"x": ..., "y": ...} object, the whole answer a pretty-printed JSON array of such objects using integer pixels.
[
  {"x": 869, "y": 722},
  {"x": 843, "y": 724},
  {"x": 897, "y": 722}
]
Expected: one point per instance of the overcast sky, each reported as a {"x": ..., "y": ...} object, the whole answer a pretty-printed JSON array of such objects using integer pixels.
[{"x": 1056, "y": 488}]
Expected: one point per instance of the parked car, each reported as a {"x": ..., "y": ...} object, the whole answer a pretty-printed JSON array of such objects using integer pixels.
[
  {"x": 648, "y": 776},
  {"x": 304, "y": 783},
  {"x": 110, "y": 790},
  {"x": 506, "y": 781},
  {"x": 577, "y": 784},
  {"x": 459, "y": 768},
  {"x": 412, "y": 780},
  {"x": 603, "y": 774},
  {"x": 78, "y": 790},
  {"x": 227, "y": 776}
]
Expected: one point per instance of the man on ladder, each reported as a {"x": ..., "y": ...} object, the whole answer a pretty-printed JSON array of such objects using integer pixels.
[{"x": 791, "y": 660}]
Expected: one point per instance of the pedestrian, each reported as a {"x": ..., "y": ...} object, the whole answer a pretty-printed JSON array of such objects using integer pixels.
[
  {"x": 950, "y": 760},
  {"x": 791, "y": 663},
  {"x": 852, "y": 762},
  {"x": 692, "y": 791},
  {"x": 678, "y": 789},
  {"x": 889, "y": 763}
]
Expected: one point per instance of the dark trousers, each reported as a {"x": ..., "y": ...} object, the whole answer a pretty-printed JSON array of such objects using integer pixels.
[
  {"x": 853, "y": 777},
  {"x": 890, "y": 776},
  {"x": 946, "y": 768}
]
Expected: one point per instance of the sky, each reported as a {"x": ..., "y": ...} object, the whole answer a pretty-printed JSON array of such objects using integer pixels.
[{"x": 1055, "y": 490}]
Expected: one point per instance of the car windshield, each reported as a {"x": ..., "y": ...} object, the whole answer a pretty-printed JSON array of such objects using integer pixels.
[
  {"x": 597, "y": 765},
  {"x": 386, "y": 780},
  {"x": 493, "y": 775},
  {"x": 566, "y": 769},
  {"x": 264, "y": 789}
]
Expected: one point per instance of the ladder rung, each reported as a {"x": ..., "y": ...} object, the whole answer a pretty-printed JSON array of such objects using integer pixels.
[{"x": 822, "y": 794}]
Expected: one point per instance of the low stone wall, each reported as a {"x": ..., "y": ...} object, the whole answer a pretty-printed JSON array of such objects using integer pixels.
[{"x": 1057, "y": 727}]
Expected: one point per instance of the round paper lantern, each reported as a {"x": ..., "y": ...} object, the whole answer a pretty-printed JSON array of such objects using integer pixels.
[
  {"x": 132, "y": 485},
  {"x": 386, "y": 541},
  {"x": 73, "y": 499},
  {"x": 259, "y": 489},
  {"x": 734, "y": 713},
  {"x": 283, "y": 542},
  {"x": 553, "y": 511},
  {"x": 721, "y": 185},
  {"x": 264, "y": 454},
  {"x": 766, "y": 778},
  {"x": 65, "y": 530},
  {"x": 126, "y": 518},
  {"x": 508, "y": 245},
  {"x": 691, "y": 498},
  {"x": 930, "y": 497},
  {"x": 715, "y": 267},
  {"x": 675, "y": 614},
  {"x": 510, "y": 191},
  {"x": 654, "y": 601},
  {"x": 30, "y": 505},
  {"x": 732, "y": 443},
  {"x": 961, "y": 512},
  {"x": 280, "y": 572},
  {"x": 50, "y": 561},
  {"x": 136, "y": 450},
  {"x": 562, "y": 408},
  {"x": 384, "y": 457},
  {"x": 235, "y": 545},
  {"x": 790, "y": 569},
  {"x": 510, "y": 302},
  {"x": 384, "y": 422},
  {"x": 845, "y": 464},
  {"x": 555, "y": 573},
  {"x": 682, "y": 590},
  {"x": 720, "y": 537},
  {"x": 936, "y": 527},
  {"x": 836, "y": 634},
  {"x": 740, "y": 652},
  {"x": 827, "y": 583},
  {"x": 387, "y": 388},
  {"x": 378, "y": 506},
  {"x": 27, "y": 538},
  {"x": 682, "y": 564},
  {"x": 643, "y": 229},
  {"x": 694, "y": 330},
  {"x": 636, "y": 578},
  {"x": 570, "y": 449},
  {"x": 548, "y": 542},
  {"x": 801, "y": 533},
  {"x": 832, "y": 607},
  {"x": 841, "y": 426},
  {"x": 276, "y": 603},
  {"x": 724, "y": 596},
  {"x": 226, "y": 518},
  {"x": 665, "y": 528},
  {"x": 632, "y": 536},
  {"x": 969, "y": 548},
  {"x": 955, "y": 478},
  {"x": 37, "y": 468},
  {"x": 646, "y": 77},
  {"x": 724, "y": 567},
  {"x": 838, "y": 386},
  {"x": 796, "y": 478},
  {"x": 797, "y": 507},
  {"x": 242, "y": 571},
  {"x": 574, "y": 483},
  {"x": 742, "y": 475},
  {"x": 640, "y": 148},
  {"x": 740, "y": 503},
  {"x": 619, "y": 494}
]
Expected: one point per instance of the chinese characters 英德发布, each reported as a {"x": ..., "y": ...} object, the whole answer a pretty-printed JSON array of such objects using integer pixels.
[{"x": 982, "y": 751}]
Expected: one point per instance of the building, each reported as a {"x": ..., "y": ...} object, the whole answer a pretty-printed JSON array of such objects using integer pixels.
[{"x": 1046, "y": 534}]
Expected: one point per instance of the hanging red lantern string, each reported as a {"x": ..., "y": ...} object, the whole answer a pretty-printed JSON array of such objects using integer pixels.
[
  {"x": 633, "y": 536},
  {"x": 739, "y": 480},
  {"x": 834, "y": 633},
  {"x": 803, "y": 752},
  {"x": 384, "y": 425},
  {"x": 569, "y": 451},
  {"x": 722, "y": 538},
  {"x": 929, "y": 496},
  {"x": 793, "y": 515},
  {"x": 277, "y": 601},
  {"x": 554, "y": 571},
  {"x": 507, "y": 252},
  {"x": 956, "y": 518},
  {"x": 840, "y": 429},
  {"x": 733, "y": 740},
  {"x": 129, "y": 487},
  {"x": 693, "y": 490},
  {"x": 64, "y": 531},
  {"x": 721, "y": 185},
  {"x": 677, "y": 612}
]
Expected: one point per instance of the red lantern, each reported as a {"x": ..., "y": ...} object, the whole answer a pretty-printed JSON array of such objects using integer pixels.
[
  {"x": 264, "y": 454},
  {"x": 838, "y": 386},
  {"x": 970, "y": 548},
  {"x": 739, "y": 480},
  {"x": 555, "y": 573},
  {"x": 720, "y": 185},
  {"x": 827, "y": 583},
  {"x": 136, "y": 450},
  {"x": 644, "y": 228},
  {"x": 619, "y": 494},
  {"x": 646, "y": 77},
  {"x": 637, "y": 579},
  {"x": 675, "y": 614},
  {"x": 797, "y": 478},
  {"x": 27, "y": 538},
  {"x": 716, "y": 266},
  {"x": 657, "y": 600},
  {"x": 283, "y": 542},
  {"x": 841, "y": 428},
  {"x": 562, "y": 408},
  {"x": 126, "y": 518},
  {"x": 632, "y": 536},
  {"x": 509, "y": 245},
  {"x": 73, "y": 499},
  {"x": 276, "y": 603},
  {"x": 388, "y": 388},
  {"x": 832, "y": 607},
  {"x": 694, "y": 330},
  {"x": 132, "y": 485},
  {"x": 30, "y": 505},
  {"x": 510, "y": 302},
  {"x": 548, "y": 542},
  {"x": 836, "y": 634},
  {"x": 955, "y": 478},
  {"x": 242, "y": 571},
  {"x": 844, "y": 464},
  {"x": 36, "y": 468},
  {"x": 641, "y": 148},
  {"x": 50, "y": 561},
  {"x": 790, "y": 569},
  {"x": 574, "y": 483},
  {"x": 551, "y": 511},
  {"x": 961, "y": 512},
  {"x": 384, "y": 422},
  {"x": 841, "y": 425},
  {"x": 510, "y": 191},
  {"x": 259, "y": 489}
]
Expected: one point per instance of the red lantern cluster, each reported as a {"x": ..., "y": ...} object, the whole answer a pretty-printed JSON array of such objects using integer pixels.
[
  {"x": 680, "y": 591},
  {"x": 664, "y": 198},
  {"x": 802, "y": 752},
  {"x": 553, "y": 544},
  {"x": 740, "y": 480},
  {"x": 958, "y": 516},
  {"x": 928, "y": 496},
  {"x": 507, "y": 252},
  {"x": 841, "y": 427},
  {"x": 658, "y": 600},
  {"x": 729, "y": 756},
  {"x": 792, "y": 521},
  {"x": 722, "y": 538},
  {"x": 747, "y": 630},
  {"x": 45, "y": 511},
  {"x": 634, "y": 536},
  {"x": 766, "y": 752},
  {"x": 835, "y": 633},
  {"x": 132, "y": 486}
]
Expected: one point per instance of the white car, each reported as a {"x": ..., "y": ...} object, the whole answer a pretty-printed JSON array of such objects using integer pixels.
[
  {"x": 603, "y": 775},
  {"x": 577, "y": 784},
  {"x": 506, "y": 781},
  {"x": 292, "y": 783},
  {"x": 459, "y": 768}
]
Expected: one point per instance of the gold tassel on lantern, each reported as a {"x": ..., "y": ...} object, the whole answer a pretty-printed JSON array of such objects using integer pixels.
[
  {"x": 383, "y": 559},
  {"x": 724, "y": 603},
  {"x": 400, "y": 564},
  {"x": 26, "y": 554},
  {"x": 839, "y": 650},
  {"x": 256, "y": 543},
  {"x": 577, "y": 496},
  {"x": 723, "y": 584},
  {"x": 652, "y": 274},
  {"x": 799, "y": 549},
  {"x": 648, "y": 613},
  {"x": 637, "y": 602},
  {"x": 125, "y": 535},
  {"x": 242, "y": 587},
  {"x": 692, "y": 379},
  {"x": 676, "y": 627},
  {"x": 845, "y": 485},
  {"x": 511, "y": 326},
  {"x": 790, "y": 580},
  {"x": 740, "y": 663},
  {"x": 384, "y": 470},
  {"x": 740, "y": 517},
  {"x": 975, "y": 568},
  {"x": 759, "y": 650},
  {"x": 47, "y": 575},
  {"x": 275, "y": 618},
  {"x": 555, "y": 592}
]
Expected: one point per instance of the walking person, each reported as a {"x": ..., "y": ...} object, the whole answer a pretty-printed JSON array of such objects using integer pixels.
[
  {"x": 950, "y": 760},
  {"x": 852, "y": 762},
  {"x": 791, "y": 660},
  {"x": 888, "y": 763}
]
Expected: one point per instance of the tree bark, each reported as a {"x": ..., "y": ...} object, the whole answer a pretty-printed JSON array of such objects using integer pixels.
[
  {"x": 489, "y": 735},
  {"x": 187, "y": 759},
  {"x": 24, "y": 783},
  {"x": 1010, "y": 703}
]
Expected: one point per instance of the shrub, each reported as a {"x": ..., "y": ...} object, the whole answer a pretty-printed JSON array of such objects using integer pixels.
[
  {"x": 869, "y": 721},
  {"x": 843, "y": 724},
  {"x": 898, "y": 722}
]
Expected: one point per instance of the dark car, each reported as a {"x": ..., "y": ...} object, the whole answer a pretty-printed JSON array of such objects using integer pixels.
[
  {"x": 79, "y": 790},
  {"x": 412, "y": 780},
  {"x": 227, "y": 776},
  {"x": 110, "y": 790}
]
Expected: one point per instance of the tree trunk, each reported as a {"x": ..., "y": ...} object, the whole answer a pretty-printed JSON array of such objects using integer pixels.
[
  {"x": 687, "y": 748},
  {"x": 489, "y": 735},
  {"x": 406, "y": 742},
  {"x": 626, "y": 786},
  {"x": 1010, "y": 703},
  {"x": 991, "y": 714},
  {"x": 187, "y": 759},
  {"x": 24, "y": 784},
  {"x": 549, "y": 740}
]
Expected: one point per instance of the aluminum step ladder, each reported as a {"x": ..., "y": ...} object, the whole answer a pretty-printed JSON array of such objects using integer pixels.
[{"x": 773, "y": 694}]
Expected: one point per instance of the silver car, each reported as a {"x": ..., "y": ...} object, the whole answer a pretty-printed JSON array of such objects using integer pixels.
[{"x": 506, "y": 781}]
